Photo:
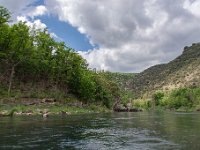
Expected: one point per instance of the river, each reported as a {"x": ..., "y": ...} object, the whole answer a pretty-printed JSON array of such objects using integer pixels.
[{"x": 109, "y": 131}]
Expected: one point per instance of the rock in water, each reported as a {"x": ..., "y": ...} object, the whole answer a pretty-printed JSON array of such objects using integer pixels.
[{"x": 45, "y": 115}]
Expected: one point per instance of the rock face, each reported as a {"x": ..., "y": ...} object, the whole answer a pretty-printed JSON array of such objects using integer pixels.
[{"x": 184, "y": 71}]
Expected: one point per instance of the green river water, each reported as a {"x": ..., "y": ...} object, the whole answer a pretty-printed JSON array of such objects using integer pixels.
[{"x": 109, "y": 131}]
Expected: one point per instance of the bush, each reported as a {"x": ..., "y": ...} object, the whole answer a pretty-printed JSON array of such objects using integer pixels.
[
  {"x": 126, "y": 96},
  {"x": 157, "y": 97},
  {"x": 179, "y": 99},
  {"x": 141, "y": 103},
  {"x": 183, "y": 97}
]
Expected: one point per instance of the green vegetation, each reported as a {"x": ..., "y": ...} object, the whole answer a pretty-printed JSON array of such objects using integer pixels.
[
  {"x": 182, "y": 99},
  {"x": 122, "y": 80},
  {"x": 172, "y": 86},
  {"x": 34, "y": 65},
  {"x": 34, "y": 68}
]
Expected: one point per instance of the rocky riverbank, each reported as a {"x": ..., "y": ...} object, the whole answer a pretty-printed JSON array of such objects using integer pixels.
[{"x": 45, "y": 107}]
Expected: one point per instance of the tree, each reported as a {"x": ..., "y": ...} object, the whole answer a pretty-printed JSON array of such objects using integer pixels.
[
  {"x": 4, "y": 15},
  {"x": 29, "y": 55},
  {"x": 4, "y": 30},
  {"x": 18, "y": 48}
]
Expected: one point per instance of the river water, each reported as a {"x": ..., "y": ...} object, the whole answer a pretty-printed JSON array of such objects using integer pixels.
[{"x": 112, "y": 131}]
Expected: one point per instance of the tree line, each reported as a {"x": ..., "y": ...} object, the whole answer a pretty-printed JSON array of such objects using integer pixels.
[{"x": 30, "y": 55}]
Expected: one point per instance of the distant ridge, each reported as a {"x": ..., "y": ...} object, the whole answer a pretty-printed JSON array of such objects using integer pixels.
[{"x": 184, "y": 71}]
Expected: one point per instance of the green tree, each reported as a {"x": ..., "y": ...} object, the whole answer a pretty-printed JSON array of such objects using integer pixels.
[
  {"x": 4, "y": 15},
  {"x": 29, "y": 55},
  {"x": 18, "y": 48}
]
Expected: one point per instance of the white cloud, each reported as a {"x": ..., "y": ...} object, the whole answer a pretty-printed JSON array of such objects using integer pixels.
[
  {"x": 25, "y": 11},
  {"x": 56, "y": 37},
  {"x": 37, "y": 24},
  {"x": 193, "y": 7},
  {"x": 132, "y": 35},
  {"x": 38, "y": 11},
  {"x": 17, "y": 7}
]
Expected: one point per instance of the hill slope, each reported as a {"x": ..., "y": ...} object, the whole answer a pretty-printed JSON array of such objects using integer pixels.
[
  {"x": 121, "y": 79},
  {"x": 184, "y": 71}
]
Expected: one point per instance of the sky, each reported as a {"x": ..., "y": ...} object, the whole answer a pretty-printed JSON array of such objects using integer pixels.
[{"x": 116, "y": 35}]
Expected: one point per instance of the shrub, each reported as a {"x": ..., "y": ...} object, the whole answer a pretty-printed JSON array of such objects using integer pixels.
[
  {"x": 157, "y": 97},
  {"x": 141, "y": 103},
  {"x": 181, "y": 97}
]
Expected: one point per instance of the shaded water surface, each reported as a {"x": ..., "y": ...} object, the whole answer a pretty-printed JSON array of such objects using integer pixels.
[{"x": 137, "y": 131}]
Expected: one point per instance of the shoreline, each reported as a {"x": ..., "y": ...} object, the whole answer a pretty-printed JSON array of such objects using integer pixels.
[{"x": 48, "y": 110}]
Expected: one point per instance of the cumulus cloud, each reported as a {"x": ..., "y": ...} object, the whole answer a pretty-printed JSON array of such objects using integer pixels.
[
  {"x": 56, "y": 37},
  {"x": 193, "y": 7},
  {"x": 37, "y": 24},
  {"x": 132, "y": 35},
  {"x": 38, "y": 11},
  {"x": 17, "y": 7},
  {"x": 25, "y": 11}
]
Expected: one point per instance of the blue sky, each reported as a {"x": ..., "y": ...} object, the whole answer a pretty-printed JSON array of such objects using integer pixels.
[
  {"x": 70, "y": 35},
  {"x": 116, "y": 35},
  {"x": 67, "y": 33}
]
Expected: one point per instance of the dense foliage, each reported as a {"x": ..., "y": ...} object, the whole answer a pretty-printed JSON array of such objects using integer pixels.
[
  {"x": 29, "y": 56},
  {"x": 122, "y": 80},
  {"x": 182, "y": 99}
]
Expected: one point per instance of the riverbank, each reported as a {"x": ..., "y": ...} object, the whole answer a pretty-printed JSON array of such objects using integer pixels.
[{"x": 46, "y": 110}]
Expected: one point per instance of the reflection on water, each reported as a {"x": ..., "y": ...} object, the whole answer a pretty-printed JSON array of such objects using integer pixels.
[{"x": 144, "y": 130}]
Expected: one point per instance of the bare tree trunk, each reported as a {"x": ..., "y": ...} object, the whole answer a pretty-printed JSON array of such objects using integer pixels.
[{"x": 10, "y": 80}]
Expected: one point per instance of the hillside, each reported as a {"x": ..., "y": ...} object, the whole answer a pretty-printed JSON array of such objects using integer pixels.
[
  {"x": 184, "y": 71},
  {"x": 121, "y": 79}
]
